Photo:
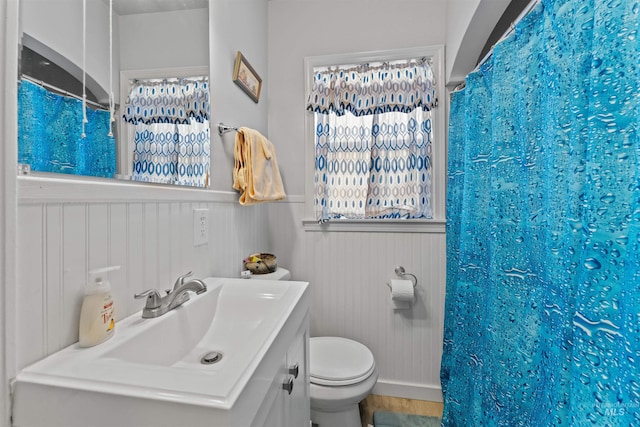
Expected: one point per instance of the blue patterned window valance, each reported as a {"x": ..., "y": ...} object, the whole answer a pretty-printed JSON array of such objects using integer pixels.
[
  {"x": 373, "y": 89},
  {"x": 176, "y": 101}
]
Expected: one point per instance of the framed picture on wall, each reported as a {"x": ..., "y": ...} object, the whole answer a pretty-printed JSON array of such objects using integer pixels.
[{"x": 246, "y": 77}]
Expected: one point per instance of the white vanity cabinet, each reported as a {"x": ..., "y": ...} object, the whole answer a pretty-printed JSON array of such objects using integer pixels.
[
  {"x": 287, "y": 403},
  {"x": 297, "y": 403}
]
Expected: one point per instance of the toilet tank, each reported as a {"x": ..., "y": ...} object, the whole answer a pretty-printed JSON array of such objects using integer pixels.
[{"x": 279, "y": 274}]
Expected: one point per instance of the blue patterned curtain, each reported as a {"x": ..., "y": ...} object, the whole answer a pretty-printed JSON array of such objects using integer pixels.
[
  {"x": 543, "y": 225},
  {"x": 373, "y": 141},
  {"x": 172, "y": 140},
  {"x": 172, "y": 153},
  {"x": 49, "y": 134}
]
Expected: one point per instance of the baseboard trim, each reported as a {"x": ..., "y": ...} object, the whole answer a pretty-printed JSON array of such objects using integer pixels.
[{"x": 428, "y": 392}]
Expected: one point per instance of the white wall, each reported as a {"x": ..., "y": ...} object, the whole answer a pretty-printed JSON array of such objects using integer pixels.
[
  {"x": 237, "y": 25},
  {"x": 164, "y": 39},
  {"x": 459, "y": 14},
  {"x": 3, "y": 177},
  {"x": 56, "y": 26},
  {"x": 348, "y": 271},
  {"x": 8, "y": 153},
  {"x": 469, "y": 24}
]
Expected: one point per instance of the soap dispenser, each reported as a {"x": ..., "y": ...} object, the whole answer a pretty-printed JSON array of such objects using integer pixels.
[{"x": 96, "y": 317}]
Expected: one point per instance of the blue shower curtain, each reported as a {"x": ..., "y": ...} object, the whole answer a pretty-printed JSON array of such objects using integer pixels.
[
  {"x": 49, "y": 134},
  {"x": 542, "y": 315}
]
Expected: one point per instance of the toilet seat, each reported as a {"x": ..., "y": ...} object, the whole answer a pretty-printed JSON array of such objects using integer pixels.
[{"x": 336, "y": 361}]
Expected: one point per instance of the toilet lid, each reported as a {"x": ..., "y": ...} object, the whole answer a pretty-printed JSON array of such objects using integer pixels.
[{"x": 339, "y": 361}]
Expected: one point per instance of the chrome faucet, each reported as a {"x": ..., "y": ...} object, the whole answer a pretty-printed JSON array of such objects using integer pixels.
[{"x": 157, "y": 305}]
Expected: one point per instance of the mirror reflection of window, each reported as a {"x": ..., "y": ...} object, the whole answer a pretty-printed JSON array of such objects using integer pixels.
[{"x": 170, "y": 142}]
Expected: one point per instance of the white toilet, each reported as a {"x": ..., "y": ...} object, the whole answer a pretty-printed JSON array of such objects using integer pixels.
[{"x": 342, "y": 373}]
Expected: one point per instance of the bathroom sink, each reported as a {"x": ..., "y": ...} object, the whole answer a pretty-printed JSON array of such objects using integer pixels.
[{"x": 151, "y": 368}]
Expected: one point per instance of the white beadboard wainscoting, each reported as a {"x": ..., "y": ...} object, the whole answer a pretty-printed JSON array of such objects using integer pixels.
[
  {"x": 348, "y": 272},
  {"x": 152, "y": 242},
  {"x": 61, "y": 236}
]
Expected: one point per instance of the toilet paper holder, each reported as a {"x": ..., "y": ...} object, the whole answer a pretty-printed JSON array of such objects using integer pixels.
[{"x": 400, "y": 272}]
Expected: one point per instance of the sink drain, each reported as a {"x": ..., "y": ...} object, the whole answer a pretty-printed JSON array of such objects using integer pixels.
[{"x": 211, "y": 358}]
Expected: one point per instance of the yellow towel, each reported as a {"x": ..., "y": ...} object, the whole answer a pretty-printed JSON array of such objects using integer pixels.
[{"x": 256, "y": 174}]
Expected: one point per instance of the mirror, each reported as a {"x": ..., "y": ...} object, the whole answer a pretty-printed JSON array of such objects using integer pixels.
[{"x": 150, "y": 39}]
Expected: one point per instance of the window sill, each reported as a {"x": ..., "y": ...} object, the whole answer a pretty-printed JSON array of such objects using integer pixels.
[{"x": 377, "y": 225}]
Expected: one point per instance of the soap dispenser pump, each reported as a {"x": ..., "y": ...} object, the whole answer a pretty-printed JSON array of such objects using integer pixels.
[{"x": 96, "y": 317}]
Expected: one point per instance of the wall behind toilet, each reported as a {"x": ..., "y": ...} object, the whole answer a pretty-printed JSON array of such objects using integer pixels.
[{"x": 348, "y": 270}]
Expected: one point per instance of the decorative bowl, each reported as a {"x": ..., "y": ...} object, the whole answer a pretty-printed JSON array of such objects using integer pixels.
[{"x": 261, "y": 263}]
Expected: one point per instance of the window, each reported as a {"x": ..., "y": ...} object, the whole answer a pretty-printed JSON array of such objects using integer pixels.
[{"x": 375, "y": 143}]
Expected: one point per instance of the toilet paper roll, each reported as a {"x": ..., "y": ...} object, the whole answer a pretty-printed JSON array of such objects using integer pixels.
[{"x": 402, "y": 294}]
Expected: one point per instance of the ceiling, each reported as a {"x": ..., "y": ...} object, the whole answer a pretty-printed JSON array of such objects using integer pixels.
[{"x": 131, "y": 7}]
